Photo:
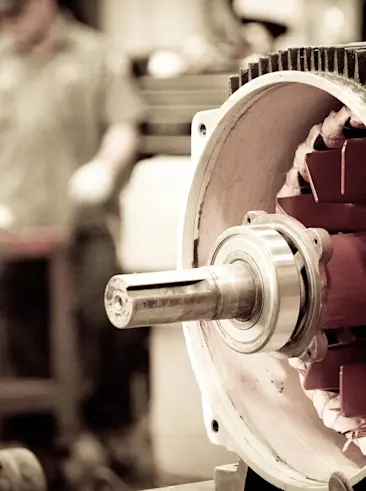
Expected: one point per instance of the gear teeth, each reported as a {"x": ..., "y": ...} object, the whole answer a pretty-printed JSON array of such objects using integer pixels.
[
  {"x": 360, "y": 66},
  {"x": 253, "y": 69},
  {"x": 307, "y": 59},
  {"x": 302, "y": 56},
  {"x": 263, "y": 66},
  {"x": 293, "y": 58},
  {"x": 243, "y": 77},
  {"x": 329, "y": 59},
  {"x": 338, "y": 66},
  {"x": 234, "y": 84},
  {"x": 321, "y": 59},
  {"x": 273, "y": 62},
  {"x": 347, "y": 61},
  {"x": 283, "y": 60},
  {"x": 314, "y": 60}
]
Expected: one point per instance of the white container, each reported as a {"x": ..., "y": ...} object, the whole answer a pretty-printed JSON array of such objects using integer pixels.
[
  {"x": 152, "y": 209},
  {"x": 180, "y": 442}
]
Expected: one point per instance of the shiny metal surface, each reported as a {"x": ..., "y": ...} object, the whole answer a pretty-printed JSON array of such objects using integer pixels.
[
  {"x": 217, "y": 292},
  {"x": 241, "y": 168},
  {"x": 257, "y": 400},
  {"x": 275, "y": 319},
  {"x": 312, "y": 249},
  {"x": 252, "y": 289}
]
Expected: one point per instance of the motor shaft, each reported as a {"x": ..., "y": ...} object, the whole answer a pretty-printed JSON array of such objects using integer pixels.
[{"x": 216, "y": 292}]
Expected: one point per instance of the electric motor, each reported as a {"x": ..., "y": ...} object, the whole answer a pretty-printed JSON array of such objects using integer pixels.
[{"x": 271, "y": 280}]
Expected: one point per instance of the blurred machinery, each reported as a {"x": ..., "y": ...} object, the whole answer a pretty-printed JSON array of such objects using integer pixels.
[
  {"x": 24, "y": 395},
  {"x": 20, "y": 471},
  {"x": 271, "y": 290}
]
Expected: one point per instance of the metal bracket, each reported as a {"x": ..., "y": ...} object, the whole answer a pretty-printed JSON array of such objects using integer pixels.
[
  {"x": 230, "y": 477},
  {"x": 239, "y": 477}
]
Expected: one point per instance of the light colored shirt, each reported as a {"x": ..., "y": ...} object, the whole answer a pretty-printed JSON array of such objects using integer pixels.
[{"x": 54, "y": 110}]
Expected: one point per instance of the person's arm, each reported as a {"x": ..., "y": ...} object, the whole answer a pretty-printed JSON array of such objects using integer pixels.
[
  {"x": 121, "y": 111},
  {"x": 119, "y": 146},
  {"x": 94, "y": 182}
]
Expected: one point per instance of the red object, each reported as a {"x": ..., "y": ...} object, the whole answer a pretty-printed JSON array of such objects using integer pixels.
[
  {"x": 324, "y": 170},
  {"x": 325, "y": 374},
  {"x": 353, "y": 170},
  {"x": 352, "y": 394},
  {"x": 346, "y": 282},
  {"x": 339, "y": 175},
  {"x": 334, "y": 217},
  {"x": 31, "y": 245},
  {"x": 337, "y": 203}
]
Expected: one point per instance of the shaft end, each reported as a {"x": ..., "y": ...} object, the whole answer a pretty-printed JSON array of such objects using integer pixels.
[{"x": 118, "y": 304}]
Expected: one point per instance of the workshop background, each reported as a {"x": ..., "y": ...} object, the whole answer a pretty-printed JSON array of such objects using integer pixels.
[{"x": 181, "y": 53}]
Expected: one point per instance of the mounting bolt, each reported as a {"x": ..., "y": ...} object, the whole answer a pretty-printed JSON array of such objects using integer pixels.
[
  {"x": 252, "y": 216},
  {"x": 322, "y": 243},
  {"x": 202, "y": 130},
  {"x": 317, "y": 349},
  {"x": 215, "y": 426}
]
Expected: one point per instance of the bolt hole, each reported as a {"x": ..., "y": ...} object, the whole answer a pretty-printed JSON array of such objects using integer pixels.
[
  {"x": 202, "y": 130},
  {"x": 215, "y": 426},
  {"x": 118, "y": 303},
  {"x": 249, "y": 220},
  {"x": 316, "y": 241}
]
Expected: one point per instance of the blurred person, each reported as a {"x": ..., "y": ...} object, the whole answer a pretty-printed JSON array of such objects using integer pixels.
[
  {"x": 235, "y": 35},
  {"x": 258, "y": 37},
  {"x": 68, "y": 138},
  {"x": 225, "y": 43},
  {"x": 260, "y": 26}
]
